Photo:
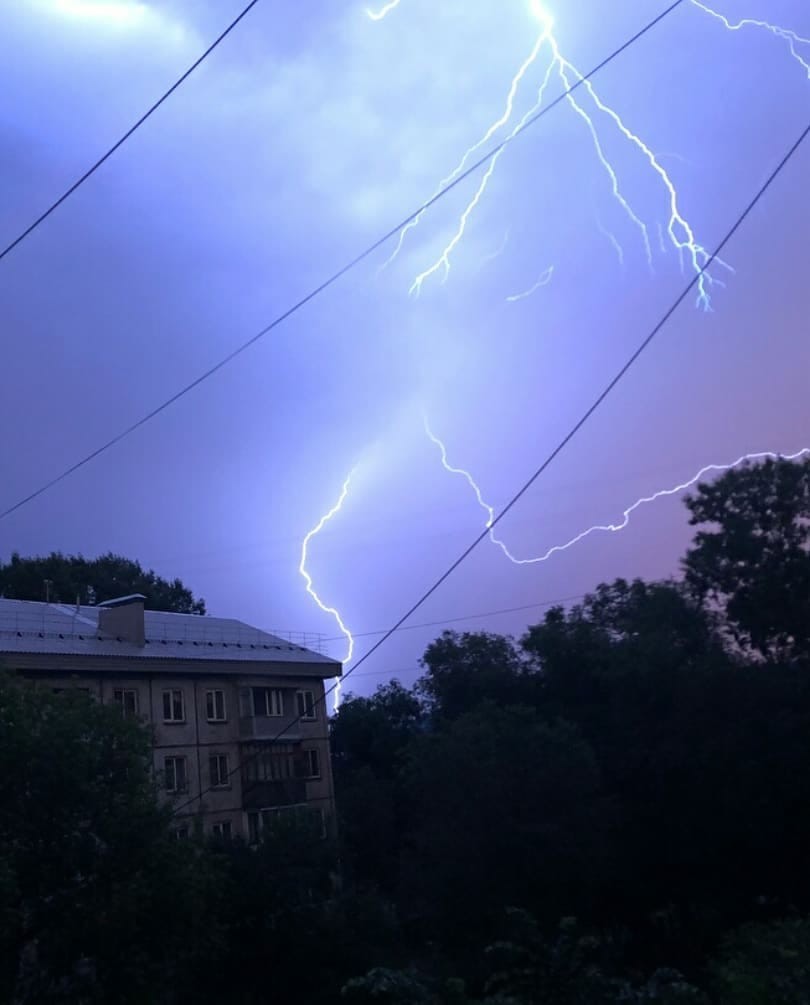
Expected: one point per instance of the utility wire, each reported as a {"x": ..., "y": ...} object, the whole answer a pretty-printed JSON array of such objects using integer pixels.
[
  {"x": 462, "y": 617},
  {"x": 558, "y": 449},
  {"x": 341, "y": 271},
  {"x": 132, "y": 129}
]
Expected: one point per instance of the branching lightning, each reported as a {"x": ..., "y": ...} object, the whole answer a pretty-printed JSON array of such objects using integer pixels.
[
  {"x": 793, "y": 40},
  {"x": 544, "y": 64},
  {"x": 679, "y": 232},
  {"x": 443, "y": 262},
  {"x": 302, "y": 568},
  {"x": 709, "y": 469},
  {"x": 614, "y": 241},
  {"x": 545, "y": 278}
]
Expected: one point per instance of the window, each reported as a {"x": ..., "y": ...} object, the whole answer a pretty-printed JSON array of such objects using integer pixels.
[
  {"x": 222, "y": 830},
  {"x": 218, "y": 770},
  {"x": 306, "y": 705},
  {"x": 173, "y": 706},
  {"x": 215, "y": 706},
  {"x": 308, "y": 764},
  {"x": 180, "y": 833},
  {"x": 268, "y": 701},
  {"x": 128, "y": 700},
  {"x": 174, "y": 770}
]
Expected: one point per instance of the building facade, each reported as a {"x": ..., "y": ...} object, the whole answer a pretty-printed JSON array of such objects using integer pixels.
[{"x": 237, "y": 716}]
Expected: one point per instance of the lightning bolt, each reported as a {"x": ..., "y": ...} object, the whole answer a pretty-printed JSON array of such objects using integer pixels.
[
  {"x": 459, "y": 471},
  {"x": 443, "y": 262},
  {"x": 302, "y": 568},
  {"x": 545, "y": 278},
  {"x": 505, "y": 117},
  {"x": 612, "y": 528},
  {"x": 383, "y": 12},
  {"x": 678, "y": 229},
  {"x": 467, "y": 476},
  {"x": 790, "y": 37},
  {"x": 614, "y": 241}
]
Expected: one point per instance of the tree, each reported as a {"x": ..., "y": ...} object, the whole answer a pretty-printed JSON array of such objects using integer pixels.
[
  {"x": 502, "y": 814},
  {"x": 374, "y": 732},
  {"x": 751, "y": 557},
  {"x": 91, "y": 581},
  {"x": 618, "y": 629},
  {"x": 96, "y": 899},
  {"x": 463, "y": 670},
  {"x": 370, "y": 738},
  {"x": 382, "y": 986},
  {"x": 700, "y": 758},
  {"x": 765, "y": 964}
]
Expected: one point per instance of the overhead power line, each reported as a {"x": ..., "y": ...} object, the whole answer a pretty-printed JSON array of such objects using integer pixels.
[
  {"x": 332, "y": 279},
  {"x": 463, "y": 617},
  {"x": 558, "y": 449},
  {"x": 120, "y": 142}
]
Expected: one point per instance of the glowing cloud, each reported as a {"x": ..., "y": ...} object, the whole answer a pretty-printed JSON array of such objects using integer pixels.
[{"x": 110, "y": 11}]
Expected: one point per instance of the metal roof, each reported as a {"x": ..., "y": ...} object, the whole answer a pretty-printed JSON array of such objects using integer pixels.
[{"x": 28, "y": 626}]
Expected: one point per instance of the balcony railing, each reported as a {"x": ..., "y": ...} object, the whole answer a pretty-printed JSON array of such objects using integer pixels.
[
  {"x": 282, "y": 792},
  {"x": 268, "y": 727}
]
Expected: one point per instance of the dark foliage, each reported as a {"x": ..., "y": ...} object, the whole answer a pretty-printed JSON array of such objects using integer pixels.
[
  {"x": 91, "y": 581},
  {"x": 751, "y": 555}
]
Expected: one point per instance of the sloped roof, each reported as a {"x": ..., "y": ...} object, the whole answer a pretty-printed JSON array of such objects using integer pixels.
[{"x": 28, "y": 626}]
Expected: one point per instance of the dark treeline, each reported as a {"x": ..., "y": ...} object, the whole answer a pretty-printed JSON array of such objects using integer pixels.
[
  {"x": 613, "y": 808},
  {"x": 70, "y": 579}
]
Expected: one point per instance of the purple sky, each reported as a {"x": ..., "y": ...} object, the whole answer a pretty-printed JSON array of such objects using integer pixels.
[{"x": 308, "y": 133}]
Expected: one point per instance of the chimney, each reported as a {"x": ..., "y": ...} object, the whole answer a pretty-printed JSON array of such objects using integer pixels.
[{"x": 123, "y": 618}]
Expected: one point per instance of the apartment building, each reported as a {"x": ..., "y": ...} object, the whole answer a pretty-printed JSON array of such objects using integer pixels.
[{"x": 237, "y": 715}]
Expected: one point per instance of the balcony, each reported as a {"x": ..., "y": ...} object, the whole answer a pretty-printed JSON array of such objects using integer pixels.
[
  {"x": 273, "y": 775},
  {"x": 281, "y": 792},
  {"x": 268, "y": 727}
]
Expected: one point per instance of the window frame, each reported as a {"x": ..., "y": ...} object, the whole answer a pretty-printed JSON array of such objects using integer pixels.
[
  {"x": 307, "y": 711},
  {"x": 223, "y": 781},
  {"x": 175, "y": 759},
  {"x": 222, "y": 830},
  {"x": 270, "y": 703},
  {"x": 170, "y": 692},
  {"x": 305, "y": 760},
  {"x": 211, "y": 697},
  {"x": 123, "y": 692}
]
